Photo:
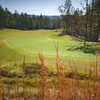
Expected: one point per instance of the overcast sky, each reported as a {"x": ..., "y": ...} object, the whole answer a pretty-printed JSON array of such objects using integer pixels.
[{"x": 37, "y": 7}]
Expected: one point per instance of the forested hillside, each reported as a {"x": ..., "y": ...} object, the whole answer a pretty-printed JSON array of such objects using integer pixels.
[
  {"x": 24, "y": 21},
  {"x": 83, "y": 23}
]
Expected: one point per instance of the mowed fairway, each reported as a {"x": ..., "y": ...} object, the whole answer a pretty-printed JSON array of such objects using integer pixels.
[
  {"x": 43, "y": 41},
  {"x": 31, "y": 43}
]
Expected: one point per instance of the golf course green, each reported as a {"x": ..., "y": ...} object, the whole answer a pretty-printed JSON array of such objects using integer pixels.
[{"x": 15, "y": 43}]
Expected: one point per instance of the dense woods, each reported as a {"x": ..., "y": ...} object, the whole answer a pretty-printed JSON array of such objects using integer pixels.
[
  {"x": 25, "y": 21},
  {"x": 84, "y": 23}
]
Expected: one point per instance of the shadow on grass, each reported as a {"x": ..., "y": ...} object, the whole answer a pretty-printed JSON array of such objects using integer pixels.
[
  {"x": 63, "y": 34},
  {"x": 87, "y": 49}
]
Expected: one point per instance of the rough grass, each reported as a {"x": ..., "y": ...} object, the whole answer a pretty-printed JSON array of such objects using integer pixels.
[
  {"x": 7, "y": 52},
  {"x": 36, "y": 80}
]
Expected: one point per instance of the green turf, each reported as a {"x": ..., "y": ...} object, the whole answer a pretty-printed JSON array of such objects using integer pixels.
[{"x": 42, "y": 41}]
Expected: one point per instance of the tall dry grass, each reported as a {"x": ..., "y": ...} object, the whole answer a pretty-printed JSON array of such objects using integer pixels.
[{"x": 63, "y": 87}]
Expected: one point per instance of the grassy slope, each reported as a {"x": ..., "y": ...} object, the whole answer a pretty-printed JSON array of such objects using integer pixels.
[
  {"x": 7, "y": 52},
  {"x": 16, "y": 42}
]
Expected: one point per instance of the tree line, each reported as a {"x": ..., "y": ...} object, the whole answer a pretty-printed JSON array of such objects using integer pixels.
[
  {"x": 84, "y": 23},
  {"x": 24, "y": 21}
]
